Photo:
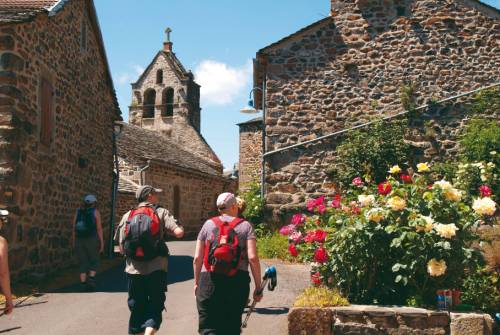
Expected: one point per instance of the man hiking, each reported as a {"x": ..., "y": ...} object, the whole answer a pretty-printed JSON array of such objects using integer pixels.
[
  {"x": 141, "y": 236},
  {"x": 225, "y": 247}
]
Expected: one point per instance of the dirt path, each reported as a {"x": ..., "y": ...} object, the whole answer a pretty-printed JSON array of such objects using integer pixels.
[{"x": 68, "y": 312}]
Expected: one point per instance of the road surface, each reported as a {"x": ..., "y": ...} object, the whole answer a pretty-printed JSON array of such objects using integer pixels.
[{"x": 69, "y": 312}]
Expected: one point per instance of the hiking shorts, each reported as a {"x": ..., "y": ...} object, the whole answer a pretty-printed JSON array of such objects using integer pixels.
[
  {"x": 146, "y": 300},
  {"x": 87, "y": 252},
  {"x": 221, "y": 301}
]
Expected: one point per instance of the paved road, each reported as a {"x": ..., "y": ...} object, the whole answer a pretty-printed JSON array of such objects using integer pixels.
[{"x": 68, "y": 312}]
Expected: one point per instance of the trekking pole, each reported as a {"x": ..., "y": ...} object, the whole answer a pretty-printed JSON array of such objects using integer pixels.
[{"x": 271, "y": 280}]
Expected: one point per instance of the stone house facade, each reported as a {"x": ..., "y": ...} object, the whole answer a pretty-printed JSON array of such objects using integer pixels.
[
  {"x": 57, "y": 110},
  {"x": 163, "y": 146},
  {"x": 249, "y": 165},
  {"x": 350, "y": 67}
]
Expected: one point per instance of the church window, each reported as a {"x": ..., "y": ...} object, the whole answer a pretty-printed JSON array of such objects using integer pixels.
[
  {"x": 177, "y": 202},
  {"x": 46, "y": 111},
  {"x": 168, "y": 102},
  {"x": 149, "y": 104},
  {"x": 159, "y": 77}
]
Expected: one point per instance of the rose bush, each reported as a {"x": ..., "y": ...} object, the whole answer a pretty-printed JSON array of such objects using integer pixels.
[{"x": 393, "y": 242}]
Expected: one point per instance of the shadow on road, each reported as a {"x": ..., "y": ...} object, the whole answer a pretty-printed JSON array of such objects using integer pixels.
[
  {"x": 180, "y": 268},
  {"x": 8, "y": 330},
  {"x": 272, "y": 310}
]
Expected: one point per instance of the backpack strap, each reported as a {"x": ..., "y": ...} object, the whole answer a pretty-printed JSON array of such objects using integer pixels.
[
  {"x": 218, "y": 222},
  {"x": 235, "y": 222}
]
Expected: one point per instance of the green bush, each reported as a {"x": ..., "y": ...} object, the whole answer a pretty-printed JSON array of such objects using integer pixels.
[
  {"x": 480, "y": 138},
  {"x": 320, "y": 297},
  {"x": 481, "y": 289},
  {"x": 273, "y": 245},
  {"x": 254, "y": 206},
  {"x": 370, "y": 153}
]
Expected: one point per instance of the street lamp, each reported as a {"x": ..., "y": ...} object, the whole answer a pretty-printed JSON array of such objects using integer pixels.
[
  {"x": 250, "y": 109},
  {"x": 117, "y": 129}
]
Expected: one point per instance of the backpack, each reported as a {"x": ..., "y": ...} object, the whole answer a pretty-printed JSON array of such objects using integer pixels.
[
  {"x": 144, "y": 235},
  {"x": 223, "y": 254},
  {"x": 85, "y": 225}
]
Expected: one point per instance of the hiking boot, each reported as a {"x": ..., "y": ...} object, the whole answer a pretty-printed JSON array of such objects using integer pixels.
[{"x": 91, "y": 284}]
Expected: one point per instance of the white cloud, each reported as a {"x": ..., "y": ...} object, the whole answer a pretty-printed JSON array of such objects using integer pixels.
[
  {"x": 131, "y": 75},
  {"x": 220, "y": 83}
]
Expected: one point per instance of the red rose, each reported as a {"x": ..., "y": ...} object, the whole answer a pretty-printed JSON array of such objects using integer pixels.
[
  {"x": 485, "y": 191},
  {"x": 320, "y": 235},
  {"x": 320, "y": 255},
  {"x": 293, "y": 250},
  {"x": 405, "y": 178},
  {"x": 310, "y": 236},
  {"x": 316, "y": 278},
  {"x": 384, "y": 188}
]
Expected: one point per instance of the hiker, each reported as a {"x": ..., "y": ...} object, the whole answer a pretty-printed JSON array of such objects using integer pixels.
[
  {"x": 4, "y": 268},
  {"x": 141, "y": 237},
  {"x": 88, "y": 241},
  {"x": 225, "y": 247}
]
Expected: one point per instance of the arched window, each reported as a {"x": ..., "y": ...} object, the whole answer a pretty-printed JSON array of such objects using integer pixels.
[
  {"x": 177, "y": 202},
  {"x": 168, "y": 102},
  {"x": 149, "y": 104},
  {"x": 159, "y": 77}
]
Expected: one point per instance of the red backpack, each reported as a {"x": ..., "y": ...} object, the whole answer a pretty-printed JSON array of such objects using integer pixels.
[
  {"x": 143, "y": 235},
  {"x": 223, "y": 254}
]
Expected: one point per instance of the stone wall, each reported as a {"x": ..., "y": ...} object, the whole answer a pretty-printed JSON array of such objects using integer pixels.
[
  {"x": 250, "y": 153},
  {"x": 197, "y": 194},
  {"x": 350, "y": 68},
  {"x": 43, "y": 185},
  {"x": 374, "y": 320}
]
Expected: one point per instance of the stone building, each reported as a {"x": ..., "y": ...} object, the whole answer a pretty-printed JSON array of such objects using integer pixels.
[
  {"x": 57, "y": 110},
  {"x": 250, "y": 152},
  {"x": 163, "y": 145},
  {"x": 350, "y": 67}
]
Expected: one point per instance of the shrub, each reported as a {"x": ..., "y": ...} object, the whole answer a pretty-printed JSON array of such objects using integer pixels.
[
  {"x": 254, "y": 206},
  {"x": 479, "y": 139},
  {"x": 273, "y": 245},
  {"x": 481, "y": 290},
  {"x": 370, "y": 153},
  {"x": 320, "y": 297},
  {"x": 391, "y": 243}
]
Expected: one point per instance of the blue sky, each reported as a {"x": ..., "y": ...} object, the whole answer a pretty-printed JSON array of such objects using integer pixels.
[{"x": 215, "y": 39}]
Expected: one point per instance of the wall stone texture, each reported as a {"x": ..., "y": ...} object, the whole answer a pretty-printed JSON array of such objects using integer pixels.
[
  {"x": 374, "y": 320},
  {"x": 43, "y": 185},
  {"x": 250, "y": 153},
  {"x": 350, "y": 68}
]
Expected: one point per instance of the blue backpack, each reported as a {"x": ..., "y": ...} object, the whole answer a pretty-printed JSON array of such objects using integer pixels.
[{"x": 85, "y": 225}]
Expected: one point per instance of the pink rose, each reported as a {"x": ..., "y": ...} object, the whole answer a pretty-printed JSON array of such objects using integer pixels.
[
  {"x": 320, "y": 255},
  {"x": 287, "y": 230},
  {"x": 357, "y": 181},
  {"x": 296, "y": 236},
  {"x": 485, "y": 191},
  {"x": 311, "y": 204},
  {"x": 316, "y": 278},
  {"x": 336, "y": 201},
  {"x": 321, "y": 209},
  {"x": 298, "y": 219}
]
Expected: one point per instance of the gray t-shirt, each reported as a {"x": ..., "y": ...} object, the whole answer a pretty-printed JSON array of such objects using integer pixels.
[
  {"x": 158, "y": 263},
  {"x": 244, "y": 230}
]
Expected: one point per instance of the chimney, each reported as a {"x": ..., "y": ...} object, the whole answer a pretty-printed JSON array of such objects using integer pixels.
[{"x": 167, "y": 44}]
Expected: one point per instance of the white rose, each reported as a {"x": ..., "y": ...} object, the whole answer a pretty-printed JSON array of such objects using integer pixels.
[
  {"x": 446, "y": 230},
  {"x": 366, "y": 200},
  {"x": 484, "y": 206}
]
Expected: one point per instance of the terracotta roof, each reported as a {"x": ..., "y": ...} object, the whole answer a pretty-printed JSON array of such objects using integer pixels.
[
  {"x": 137, "y": 145},
  {"x": 27, "y": 4},
  {"x": 23, "y": 10}
]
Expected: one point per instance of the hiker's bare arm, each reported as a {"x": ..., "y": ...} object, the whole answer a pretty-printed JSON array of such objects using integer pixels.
[
  {"x": 179, "y": 232},
  {"x": 98, "y": 224},
  {"x": 253, "y": 259},
  {"x": 198, "y": 262},
  {"x": 5, "y": 276}
]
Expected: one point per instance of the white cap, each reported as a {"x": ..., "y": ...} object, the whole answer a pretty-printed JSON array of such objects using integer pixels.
[
  {"x": 90, "y": 199},
  {"x": 226, "y": 200}
]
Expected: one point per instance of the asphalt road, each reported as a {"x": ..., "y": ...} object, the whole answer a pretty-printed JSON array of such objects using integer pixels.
[{"x": 69, "y": 312}]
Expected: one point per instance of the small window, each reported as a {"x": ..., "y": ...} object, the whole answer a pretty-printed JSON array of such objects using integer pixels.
[
  {"x": 177, "y": 202},
  {"x": 168, "y": 102},
  {"x": 83, "y": 36},
  {"x": 159, "y": 77},
  {"x": 46, "y": 112}
]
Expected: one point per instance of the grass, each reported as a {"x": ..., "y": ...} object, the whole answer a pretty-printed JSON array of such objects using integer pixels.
[
  {"x": 320, "y": 297},
  {"x": 274, "y": 245},
  {"x": 64, "y": 278}
]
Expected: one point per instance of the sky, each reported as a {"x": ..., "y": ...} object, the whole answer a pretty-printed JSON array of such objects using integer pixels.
[{"x": 215, "y": 39}]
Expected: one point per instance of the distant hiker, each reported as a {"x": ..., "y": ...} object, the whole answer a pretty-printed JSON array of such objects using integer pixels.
[
  {"x": 88, "y": 241},
  {"x": 141, "y": 236},
  {"x": 226, "y": 246},
  {"x": 4, "y": 268}
]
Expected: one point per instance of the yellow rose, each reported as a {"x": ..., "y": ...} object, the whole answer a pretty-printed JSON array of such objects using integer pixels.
[
  {"x": 436, "y": 268},
  {"x": 366, "y": 200},
  {"x": 453, "y": 194},
  {"x": 375, "y": 215},
  {"x": 484, "y": 206},
  {"x": 446, "y": 230},
  {"x": 423, "y": 167},
  {"x": 396, "y": 203},
  {"x": 428, "y": 226},
  {"x": 395, "y": 169}
]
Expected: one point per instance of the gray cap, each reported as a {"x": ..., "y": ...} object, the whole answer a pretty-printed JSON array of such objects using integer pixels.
[
  {"x": 226, "y": 200},
  {"x": 143, "y": 191},
  {"x": 90, "y": 199}
]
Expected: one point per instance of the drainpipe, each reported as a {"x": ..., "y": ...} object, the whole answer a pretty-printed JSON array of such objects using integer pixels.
[{"x": 116, "y": 178}]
